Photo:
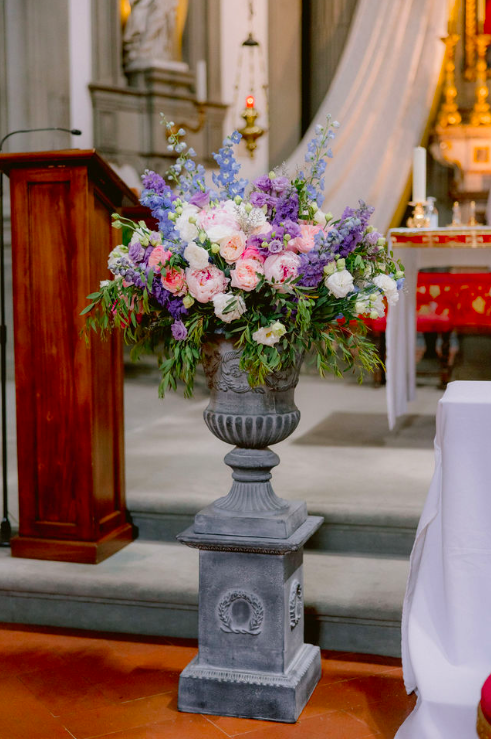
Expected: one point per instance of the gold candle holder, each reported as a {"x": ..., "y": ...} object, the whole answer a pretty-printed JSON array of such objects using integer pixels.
[
  {"x": 449, "y": 113},
  {"x": 481, "y": 114},
  {"x": 251, "y": 131},
  {"x": 419, "y": 219}
]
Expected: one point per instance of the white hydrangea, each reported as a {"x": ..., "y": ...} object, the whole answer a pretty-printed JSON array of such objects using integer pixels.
[
  {"x": 187, "y": 229},
  {"x": 269, "y": 335},
  {"x": 235, "y": 304},
  {"x": 117, "y": 258},
  {"x": 340, "y": 283},
  {"x": 196, "y": 256}
]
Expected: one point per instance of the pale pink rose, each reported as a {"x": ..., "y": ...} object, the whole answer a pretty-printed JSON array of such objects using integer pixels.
[
  {"x": 204, "y": 284},
  {"x": 219, "y": 222},
  {"x": 232, "y": 247},
  {"x": 263, "y": 230},
  {"x": 252, "y": 254},
  {"x": 174, "y": 280},
  {"x": 304, "y": 243},
  {"x": 247, "y": 274},
  {"x": 280, "y": 267},
  {"x": 158, "y": 258}
]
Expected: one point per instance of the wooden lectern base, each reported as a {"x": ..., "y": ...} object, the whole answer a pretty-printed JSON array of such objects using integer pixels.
[{"x": 74, "y": 551}]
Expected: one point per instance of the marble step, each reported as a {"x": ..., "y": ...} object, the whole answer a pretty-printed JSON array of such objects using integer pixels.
[{"x": 353, "y": 603}]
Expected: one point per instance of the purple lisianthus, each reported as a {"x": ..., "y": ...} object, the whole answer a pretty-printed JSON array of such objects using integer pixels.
[
  {"x": 255, "y": 240},
  {"x": 148, "y": 252},
  {"x": 200, "y": 199},
  {"x": 259, "y": 199},
  {"x": 275, "y": 246},
  {"x": 280, "y": 184},
  {"x": 179, "y": 331},
  {"x": 291, "y": 228},
  {"x": 136, "y": 252},
  {"x": 263, "y": 183}
]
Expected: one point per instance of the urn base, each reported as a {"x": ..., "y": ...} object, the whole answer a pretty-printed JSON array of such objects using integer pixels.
[
  {"x": 258, "y": 524},
  {"x": 280, "y": 697}
]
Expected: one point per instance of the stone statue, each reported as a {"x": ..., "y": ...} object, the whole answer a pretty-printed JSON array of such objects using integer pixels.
[{"x": 152, "y": 33}]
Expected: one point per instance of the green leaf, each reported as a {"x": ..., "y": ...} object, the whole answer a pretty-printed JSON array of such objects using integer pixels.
[{"x": 87, "y": 309}]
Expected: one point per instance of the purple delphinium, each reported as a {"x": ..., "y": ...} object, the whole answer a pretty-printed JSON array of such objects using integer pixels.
[
  {"x": 311, "y": 268},
  {"x": 286, "y": 208},
  {"x": 158, "y": 196},
  {"x": 135, "y": 277},
  {"x": 349, "y": 232},
  {"x": 179, "y": 331}
]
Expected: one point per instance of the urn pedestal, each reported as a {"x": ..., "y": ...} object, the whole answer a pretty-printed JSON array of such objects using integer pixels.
[{"x": 252, "y": 659}]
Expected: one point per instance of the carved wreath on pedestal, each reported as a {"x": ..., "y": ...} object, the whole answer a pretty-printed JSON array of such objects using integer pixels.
[
  {"x": 229, "y": 624},
  {"x": 296, "y": 604}
]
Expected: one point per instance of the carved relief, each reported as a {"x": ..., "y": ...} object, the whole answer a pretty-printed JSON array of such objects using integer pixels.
[
  {"x": 241, "y": 612},
  {"x": 296, "y": 604},
  {"x": 223, "y": 373}
]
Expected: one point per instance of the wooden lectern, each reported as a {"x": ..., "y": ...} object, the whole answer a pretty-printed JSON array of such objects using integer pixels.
[{"x": 70, "y": 444}]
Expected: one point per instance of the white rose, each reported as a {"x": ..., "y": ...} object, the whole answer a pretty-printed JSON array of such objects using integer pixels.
[
  {"x": 187, "y": 230},
  {"x": 320, "y": 217},
  {"x": 196, "y": 256},
  {"x": 269, "y": 335},
  {"x": 235, "y": 304},
  {"x": 340, "y": 283}
]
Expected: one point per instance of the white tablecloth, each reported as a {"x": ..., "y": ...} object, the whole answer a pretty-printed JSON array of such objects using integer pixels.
[
  {"x": 446, "y": 626},
  {"x": 401, "y": 321}
]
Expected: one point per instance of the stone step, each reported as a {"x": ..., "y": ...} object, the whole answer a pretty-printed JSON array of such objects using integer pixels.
[
  {"x": 362, "y": 531},
  {"x": 353, "y": 603}
]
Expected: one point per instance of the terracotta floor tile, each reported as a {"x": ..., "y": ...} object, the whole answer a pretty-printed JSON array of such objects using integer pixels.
[
  {"x": 122, "y": 717},
  {"x": 184, "y": 726},
  {"x": 23, "y": 716},
  {"x": 63, "y": 690},
  {"x": 238, "y": 725},
  {"x": 386, "y": 717},
  {"x": 331, "y": 725}
]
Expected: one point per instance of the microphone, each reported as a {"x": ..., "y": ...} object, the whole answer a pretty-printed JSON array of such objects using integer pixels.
[
  {"x": 73, "y": 131},
  {"x": 5, "y": 528}
]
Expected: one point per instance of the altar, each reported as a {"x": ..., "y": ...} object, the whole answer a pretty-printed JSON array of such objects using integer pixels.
[{"x": 419, "y": 249}]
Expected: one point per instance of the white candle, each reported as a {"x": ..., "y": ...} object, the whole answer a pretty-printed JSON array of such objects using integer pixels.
[
  {"x": 201, "y": 86},
  {"x": 419, "y": 174}
]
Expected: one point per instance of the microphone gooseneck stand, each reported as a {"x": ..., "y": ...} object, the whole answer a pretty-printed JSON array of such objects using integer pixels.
[{"x": 5, "y": 527}]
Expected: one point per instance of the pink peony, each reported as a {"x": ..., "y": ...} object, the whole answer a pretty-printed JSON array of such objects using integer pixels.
[
  {"x": 253, "y": 254},
  {"x": 247, "y": 274},
  {"x": 219, "y": 222},
  {"x": 232, "y": 247},
  {"x": 304, "y": 243},
  {"x": 158, "y": 258},
  {"x": 204, "y": 284},
  {"x": 174, "y": 280},
  {"x": 280, "y": 267}
]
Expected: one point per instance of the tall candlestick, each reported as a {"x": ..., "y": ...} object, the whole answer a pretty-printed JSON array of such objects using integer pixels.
[
  {"x": 481, "y": 15},
  {"x": 450, "y": 22},
  {"x": 419, "y": 174},
  {"x": 201, "y": 83}
]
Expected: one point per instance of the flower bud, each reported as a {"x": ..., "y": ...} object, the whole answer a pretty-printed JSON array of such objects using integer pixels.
[
  {"x": 370, "y": 229},
  {"x": 248, "y": 207},
  {"x": 341, "y": 263},
  {"x": 192, "y": 219},
  {"x": 330, "y": 268},
  {"x": 202, "y": 236},
  {"x": 238, "y": 200},
  {"x": 287, "y": 237},
  {"x": 373, "y": 315},
  {"x": 215, "y": 248},
  {"x": 187, "y": 301},
  {"x": 399, "y": 274},
  {"x": 271, "y": 175},
  {"x": 381, "y": 242},
  {"x": 179, "y": 210}
]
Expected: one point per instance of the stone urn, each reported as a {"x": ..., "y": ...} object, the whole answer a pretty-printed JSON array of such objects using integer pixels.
[
  {"x": 252, "y": 419},
  {"x": 252, "y": 659}
]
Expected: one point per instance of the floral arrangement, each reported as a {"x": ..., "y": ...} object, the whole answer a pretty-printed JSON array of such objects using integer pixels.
[{"x": 260, "y": 263}]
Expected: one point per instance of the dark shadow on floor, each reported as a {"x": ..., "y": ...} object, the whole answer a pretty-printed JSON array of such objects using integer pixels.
[{"x": 341, "y": 429}]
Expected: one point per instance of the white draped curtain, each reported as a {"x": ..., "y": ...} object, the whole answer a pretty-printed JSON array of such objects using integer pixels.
[{"x": 382, "y": 95}]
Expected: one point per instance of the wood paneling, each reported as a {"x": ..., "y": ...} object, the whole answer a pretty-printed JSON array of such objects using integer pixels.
[{"x": 69, "y": 397}]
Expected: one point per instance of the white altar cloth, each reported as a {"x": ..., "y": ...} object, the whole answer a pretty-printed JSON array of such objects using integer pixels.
[
  {"x": 401, "y": 320},
  {"x": 446, "y": 634}
]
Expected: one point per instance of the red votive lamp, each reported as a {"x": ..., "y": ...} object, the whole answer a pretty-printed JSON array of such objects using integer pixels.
[{"x": 250, "y": 101}]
